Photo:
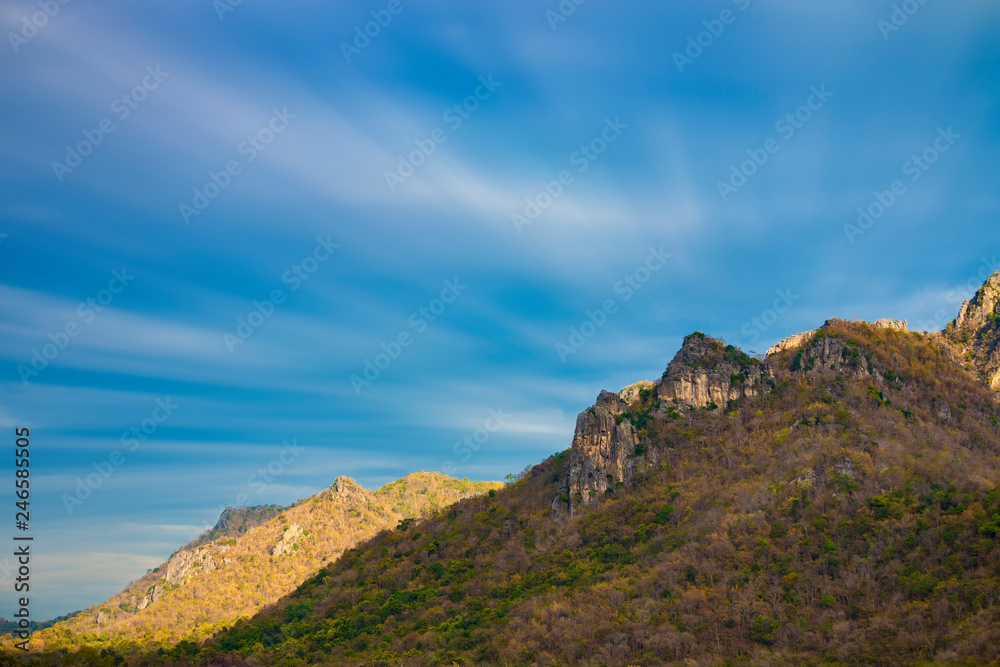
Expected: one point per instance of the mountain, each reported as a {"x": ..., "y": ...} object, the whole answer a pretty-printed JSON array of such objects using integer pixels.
[
  {"x": 251, "y": 558},
  {"x": 833, "y": 502}
]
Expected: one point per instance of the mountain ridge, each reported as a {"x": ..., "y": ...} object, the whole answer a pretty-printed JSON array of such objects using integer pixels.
[
  {"x": 281, "y": 544},
  {"x": 835, "y": 502}
]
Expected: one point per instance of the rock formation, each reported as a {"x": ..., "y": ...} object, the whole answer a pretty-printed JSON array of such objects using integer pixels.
[
  {"x": 899, "y": 325},
  {"x": 800, "y": 339},
  {"x": 608, "y": 444},
  {"x": 792, "y": 342},
  {"x": 189, "y": 562},
  {"x": 288, "y": 540},
  {"x": 706, "y": 372},
  {"x": 976, "y": 331},
  {"x": 602, "y": 446}
]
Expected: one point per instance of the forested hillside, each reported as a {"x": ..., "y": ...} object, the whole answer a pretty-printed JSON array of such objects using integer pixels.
[
  {"x": 207, "y": 585},
  {"x": 835, "y": 503},
  {"x": 846, "y": 511}
]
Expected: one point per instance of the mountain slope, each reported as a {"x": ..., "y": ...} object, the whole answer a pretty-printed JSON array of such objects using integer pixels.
[
  {"x": 208, "y": 584},
  {"x": 976, "y": 331},
  {"x": 840, "y": 507},
  {"x": 236, "y": 521}
]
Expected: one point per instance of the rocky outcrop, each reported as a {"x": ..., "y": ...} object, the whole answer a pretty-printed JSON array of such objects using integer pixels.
[
  {"x": 976, "y": 331},
  {"x": 790, "y": 343},
  {"x": 975, "y": 314},
  {"x": 345, "y": 488},
  {"x": 796, "y": 341},
  {"x": 942, "y": 410},
  {"x": 235, "y": 521},
  {"x": 286, "y": 544},
  {"x": 151, "y": 595},
  {"x": 827, "y": 353},
  {"x": 602, "y": 452},
  {"x": 188, "y": 563},
  {"x": 608, "y": 444},
  {"x": 631, "y": 393},
  {"x": 899, "y": 325},
  {"x": 704, "y": 372}
]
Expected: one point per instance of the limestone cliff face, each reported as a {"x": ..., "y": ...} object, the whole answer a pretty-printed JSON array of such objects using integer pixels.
[
  {"x": 236, "y": 521},
  {"x": 834, "y": 354},
  {"x": 180, "y": 569},
  {"x": 800, "y": 339},
  {"x": 603, "y": 445},
  {"x": 288, "y": 540},
  {"x": 609, "y": 442},
  {"x": 706, "y": 372},
  {"x": 976, "y": 331},
  {"x": 885, "y": 323},
  {"x": 790, "y": 343},
  {"x": 187, "y": 563}
]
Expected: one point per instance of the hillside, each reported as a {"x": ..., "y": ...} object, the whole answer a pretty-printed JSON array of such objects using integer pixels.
[
  {"x": 835, "y": 503},
  {"x": 217, "y": 578},
  {"x": 236, "y": 521}
]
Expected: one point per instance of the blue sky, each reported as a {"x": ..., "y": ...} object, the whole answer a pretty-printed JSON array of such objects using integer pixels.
[{"x": 619, "y": 142}]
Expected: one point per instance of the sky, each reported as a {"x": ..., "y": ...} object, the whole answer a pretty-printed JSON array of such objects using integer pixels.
[{"x": 248, "y": 247}]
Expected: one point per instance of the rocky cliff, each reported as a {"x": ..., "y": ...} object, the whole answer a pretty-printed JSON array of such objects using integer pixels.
[
  {"x": 612, "y": 438},
  {"x": 238, "y": 520},
  {"x": 609, "y": 444},
  {"x": 976, "y": 331},
  {"x": 602, "y": 454},
  {"x": 706, "y": 373}
]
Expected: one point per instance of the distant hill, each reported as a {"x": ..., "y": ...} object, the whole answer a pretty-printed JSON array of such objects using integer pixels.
[
  {"x": 7, "y": 627},
  {"x": 218, "y": 578}
]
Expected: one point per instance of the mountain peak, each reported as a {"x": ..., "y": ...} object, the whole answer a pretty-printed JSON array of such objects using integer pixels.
[
  {"x": 976, "y": 312},
  {"x": 706, "y": 372},
  {"x": 976, "y": 331}
]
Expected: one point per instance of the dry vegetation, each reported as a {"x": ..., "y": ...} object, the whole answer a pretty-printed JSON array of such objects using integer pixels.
[
  {"x": 248, "y": 576},
  {"x": 841, "y": 519}
]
